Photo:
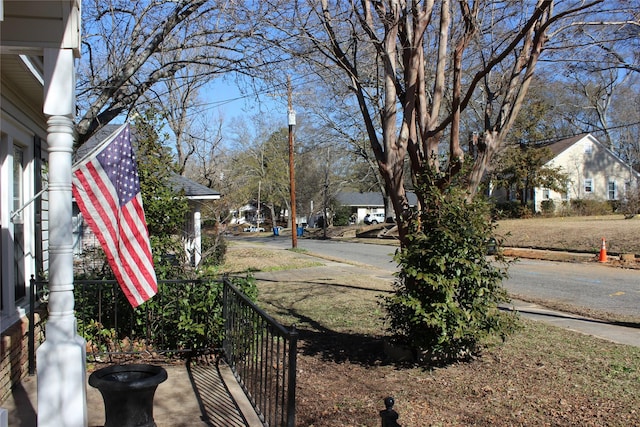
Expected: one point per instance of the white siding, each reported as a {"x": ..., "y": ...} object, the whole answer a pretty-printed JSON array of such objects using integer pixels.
[{"x": 589, "y": 159}]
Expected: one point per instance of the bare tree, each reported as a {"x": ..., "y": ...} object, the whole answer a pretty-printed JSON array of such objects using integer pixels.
[
  {"x": 177, "y": 99},
  {"x": 417, "y": 67},
  {"x": 601, "y": 71},
  {"x": 130, "y": 46}
]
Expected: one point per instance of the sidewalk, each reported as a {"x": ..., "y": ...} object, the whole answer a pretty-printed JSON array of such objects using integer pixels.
[
  {"x": 620, "y": 334},
  {"x": 334, "y": 269},
  {"x": 205, "y": 394}
]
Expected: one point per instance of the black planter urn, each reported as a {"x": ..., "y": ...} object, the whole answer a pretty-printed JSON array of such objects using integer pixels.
[{"x": 127, "y": 391}]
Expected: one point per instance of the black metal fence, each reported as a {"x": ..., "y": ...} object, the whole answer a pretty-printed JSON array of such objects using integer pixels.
[
  {"x": 260, "y": 352},
  {"x": 262, "y": 355}
]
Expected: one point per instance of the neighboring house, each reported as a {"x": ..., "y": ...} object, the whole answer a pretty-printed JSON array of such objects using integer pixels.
[
  {"x": 196, "y": 194},
  {"x": 37, "y": 40},
  {"x": 362, "y": 204},
  {"x": 594, "y": 172},
  {"x": 248, "y": 214}
]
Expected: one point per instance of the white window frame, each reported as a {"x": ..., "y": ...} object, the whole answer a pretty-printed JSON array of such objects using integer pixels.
[
  {"x": 14, "y": 134},
  {"x": 587, "y": 186},
  {"x": 615, "y": 189}
]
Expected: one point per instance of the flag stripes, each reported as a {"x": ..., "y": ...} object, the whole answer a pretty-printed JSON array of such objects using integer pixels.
[{"x": 119, "y": 224}]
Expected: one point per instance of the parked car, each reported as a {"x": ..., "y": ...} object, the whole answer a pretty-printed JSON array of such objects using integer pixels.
[
  {"x": 253, "y": 229},
  {"x": 374, "y": 218}
]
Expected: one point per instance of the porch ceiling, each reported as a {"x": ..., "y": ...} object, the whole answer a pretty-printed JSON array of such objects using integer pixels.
[
  {"x": 27, "y": 27},
  {"x": 16, "y": 76}
]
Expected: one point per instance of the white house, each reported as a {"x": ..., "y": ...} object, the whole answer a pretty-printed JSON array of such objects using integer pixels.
[
  {"x": 365, "y": 203},
  {"x": 594, "y": 172},
  {"x": 39, "y": 44}
]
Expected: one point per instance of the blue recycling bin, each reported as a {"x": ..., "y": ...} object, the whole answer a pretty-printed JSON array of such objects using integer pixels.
[
  {"x": 276, "y": 231},
  {"x": 300, "y": 231}
]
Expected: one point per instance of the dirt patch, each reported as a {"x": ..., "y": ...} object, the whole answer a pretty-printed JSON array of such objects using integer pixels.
[{"x": 540, "y": 376}]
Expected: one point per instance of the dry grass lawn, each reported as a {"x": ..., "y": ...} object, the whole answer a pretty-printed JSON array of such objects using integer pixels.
[
  {"x": 541, "y": 376},
  {"x": 573, "y": 233}
]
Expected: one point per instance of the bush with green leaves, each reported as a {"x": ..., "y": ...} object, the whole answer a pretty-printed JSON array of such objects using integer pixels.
[
  {"x": 447, "y": 291},
  {"x": 190, "y": 317},
  {"x": 214, "y": 250},
  {"x": 548, "y": 207},
  {"x": 342, "y": 215},
  {"x": 181, "y": 316}
]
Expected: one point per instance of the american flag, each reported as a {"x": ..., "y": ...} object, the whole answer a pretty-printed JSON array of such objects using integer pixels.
[{"x": 107, "y": 190}]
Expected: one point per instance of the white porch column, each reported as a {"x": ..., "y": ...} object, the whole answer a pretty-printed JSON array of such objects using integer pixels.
[
  {"x": 197, "y": 235},
  {"x": 61, "y": 358}
]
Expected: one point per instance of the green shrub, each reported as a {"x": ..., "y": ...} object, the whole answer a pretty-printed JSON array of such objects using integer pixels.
[
  {"x": 342, "y": 215},
  {"x": 180, "y": 317},
  {"x": 214, "y": 250},
  {"x": 548, "y": 207},
  {"x": 587, "y": 207},
  {"x": 511, "y": 209},
  {"x": 447, "y": 291}
]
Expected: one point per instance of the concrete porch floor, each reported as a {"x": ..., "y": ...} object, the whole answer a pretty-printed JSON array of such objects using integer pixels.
[{"x": 204, "y": 394}]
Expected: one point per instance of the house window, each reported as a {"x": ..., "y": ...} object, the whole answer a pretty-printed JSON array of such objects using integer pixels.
[
  {"x": 588, "y": 186},
  {"x": 588, "y": 147},
  {"x": 565, "y": 193},
  {"x": 546, "y": 194},
  {"x": 611, "y": 190},
  {"x": 18, "y": 224}
]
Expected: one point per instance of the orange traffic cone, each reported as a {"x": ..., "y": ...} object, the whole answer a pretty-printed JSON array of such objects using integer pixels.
[{"x": 603, "y": 251}]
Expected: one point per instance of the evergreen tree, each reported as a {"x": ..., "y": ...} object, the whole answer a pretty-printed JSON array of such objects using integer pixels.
[{"x": 165, "y": 208}]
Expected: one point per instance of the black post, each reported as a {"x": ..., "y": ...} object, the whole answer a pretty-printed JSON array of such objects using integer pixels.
[
  {"x": 388, "y": 415},
  {"x": 291, "y": 387},
  {"x": 225, "y": 316},
  {"x": 32, "y": 327}
]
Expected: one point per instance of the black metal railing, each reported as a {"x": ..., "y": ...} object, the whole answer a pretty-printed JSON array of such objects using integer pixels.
[
  {"x": 262, "y": 355},
  {"x": 389, "y": 416}
]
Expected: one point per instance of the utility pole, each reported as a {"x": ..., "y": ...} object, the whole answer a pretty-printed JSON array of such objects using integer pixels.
[
  {"x": 258, "y": 217},
  {"x": 292, "y": 180}
]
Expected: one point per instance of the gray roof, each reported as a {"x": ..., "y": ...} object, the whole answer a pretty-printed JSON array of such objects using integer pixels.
[
  {"x": 360, "y": 199},
  {"x": 368, "y": 199},
  {"x": 192, "y": 190}
]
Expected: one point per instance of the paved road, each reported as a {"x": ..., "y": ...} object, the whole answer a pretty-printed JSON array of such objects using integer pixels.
[
  {"x": 528, "y": 278},
  {"x": 590, "y": 285}
]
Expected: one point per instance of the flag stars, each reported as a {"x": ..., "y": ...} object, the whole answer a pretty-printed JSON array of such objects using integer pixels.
[{"x": 118, "y": 162}]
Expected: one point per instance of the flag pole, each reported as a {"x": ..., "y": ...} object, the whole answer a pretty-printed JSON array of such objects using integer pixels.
[
  {"x": 91, "y": 153},
  {"x": 27, "y": 203}
]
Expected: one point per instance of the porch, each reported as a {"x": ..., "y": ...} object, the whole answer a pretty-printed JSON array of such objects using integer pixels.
[
  {"x": 204, "y": 393},
  {"x": 248, "y": 381}
]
